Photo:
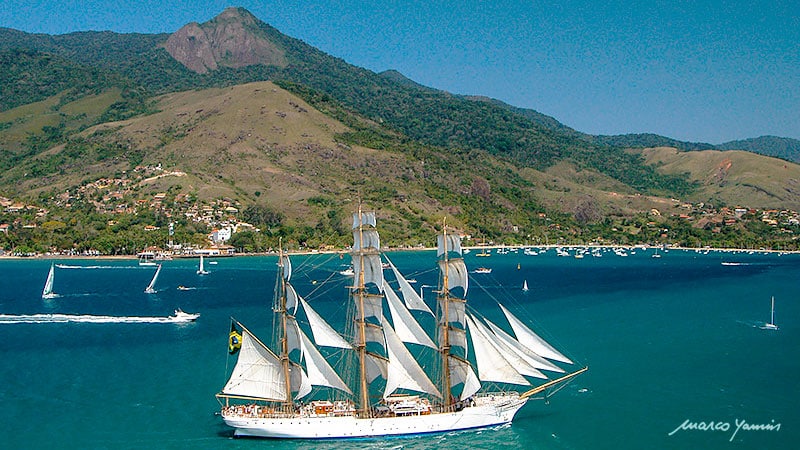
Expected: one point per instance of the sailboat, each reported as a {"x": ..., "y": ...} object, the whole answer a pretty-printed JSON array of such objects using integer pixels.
[
  {"x": 150, "y": 289},
  {"x": 771, "y": 325},
  {"x": 47, "y": 292},
  {"x": 525, "y": 285},
  {"x": 290, "y": 390},
  {"x": 202, "y": 270}
]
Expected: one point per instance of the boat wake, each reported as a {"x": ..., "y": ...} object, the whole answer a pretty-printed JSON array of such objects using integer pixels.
[
  {"x": 85, "y": 318},
  {"x": 66, "y": 266},
  {"x": 752, "y": 323},
  {"x": 724, "y": 263}
]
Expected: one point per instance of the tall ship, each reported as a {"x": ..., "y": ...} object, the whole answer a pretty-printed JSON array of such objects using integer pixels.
[{"x": 384, "y": 375}]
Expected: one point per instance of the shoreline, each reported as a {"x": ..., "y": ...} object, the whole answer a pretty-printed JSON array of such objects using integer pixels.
[{"x": 405, "y": 249}]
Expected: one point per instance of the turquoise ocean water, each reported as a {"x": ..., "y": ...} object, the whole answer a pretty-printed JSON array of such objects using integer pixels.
[{"x": 667, "y": 340}]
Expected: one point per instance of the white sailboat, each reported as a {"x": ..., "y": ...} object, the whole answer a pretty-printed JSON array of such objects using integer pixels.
[
  {"x": 150, "y": 289},
  {"x": 525, "y": 285},
  {"x": 47, "y": 292},
  {"x": 771, "y": 325},
  {"x": 202, "y": 270},
  {"x": 271, "y": 380}
]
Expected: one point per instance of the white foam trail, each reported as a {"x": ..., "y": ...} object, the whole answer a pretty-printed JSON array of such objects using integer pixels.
[
  {"x": 66, "y": 266},
  {"x": 65, "y": 318}
]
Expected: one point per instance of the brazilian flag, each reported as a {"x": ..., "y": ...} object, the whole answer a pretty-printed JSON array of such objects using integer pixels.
[{"x": 234, "y": 340}]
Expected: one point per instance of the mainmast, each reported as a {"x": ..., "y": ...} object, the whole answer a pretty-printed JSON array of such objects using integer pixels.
[
  {"x": 445, "y": 328},
  {"x": 281, "y": 310},
  {"x": 452, "y": 318},
  {"x": 367, "y": 268},
  {"x": 361, "y": 321}
]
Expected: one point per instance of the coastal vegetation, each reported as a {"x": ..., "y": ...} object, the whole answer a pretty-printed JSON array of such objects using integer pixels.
[{"x": 106, "y": 139}]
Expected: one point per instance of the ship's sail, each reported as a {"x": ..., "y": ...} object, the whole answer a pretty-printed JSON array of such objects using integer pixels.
[
  {"x": 320, "y": 373},
  {"x": 371, "y": 269},
  {"x": 523, "y": 352},
  {"x": 376, "y": 366},
  {"x": 407, "y": 328},
  {"x": 461, "y": 372},
  {"x": 364, "y": 218},
  {"x": 456, "y": 310},
  {"x": 404, "y": 371},
  {"x": 457, "y": 275},
  {"x": 324, "y": 334},
  {"x": 291, "y": 298},
  {"x": 448, "y": 243},
  {"x": 292, "y": 335},
  {"x": 258, "y": 372},
  {"x": 492, "y": 365},
  {"x": 410, "y": 296},
  {"x": 529, "y": 339},
  {"x": 371, "y": 306},
  {"x": 287, "y": 267}
]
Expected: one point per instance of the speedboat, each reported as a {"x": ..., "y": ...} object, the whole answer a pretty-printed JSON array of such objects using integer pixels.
[{"x": 181, "y": 316}]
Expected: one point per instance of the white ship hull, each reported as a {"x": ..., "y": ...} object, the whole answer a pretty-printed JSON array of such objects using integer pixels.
[{"x": 488, "y": 411}]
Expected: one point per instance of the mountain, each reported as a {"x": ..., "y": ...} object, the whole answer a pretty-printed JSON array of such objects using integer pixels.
[
  {"x": 229, "y": 40},
  {"x": 250, "y": 114},
  {"x": 647, "y": 140},
  {"x": 784, "y": 148},
  {"x": 778, "y": 147},
  {"x": 733, "y": 177}
]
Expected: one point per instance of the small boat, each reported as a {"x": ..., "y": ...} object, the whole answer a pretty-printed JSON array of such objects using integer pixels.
[
  {"x": 147, "y": 258},
  {"x": 184, "y": 288},
  {"x": 150, "y": 289},
  {"x": 771, "y": 325},
  {"x": 484, "y": 252},
  {"x": 525, "y": 285},
  {"x": 483, "y": 270},
  {"x": 202, "y": 270},
  {"x": 47, "y": 292},
  {"x": 181, "y": 316},
  {"x": 347, "y": 272}
]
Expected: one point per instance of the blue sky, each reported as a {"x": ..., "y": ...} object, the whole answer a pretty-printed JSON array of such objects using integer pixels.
[{"x": 710, "y": 71}]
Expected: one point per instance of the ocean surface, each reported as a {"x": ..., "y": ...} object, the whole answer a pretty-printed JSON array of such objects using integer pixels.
[{"x": 676, "y": 355}]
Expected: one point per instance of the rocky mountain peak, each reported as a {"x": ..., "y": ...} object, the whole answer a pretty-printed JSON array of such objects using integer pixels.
[{"x": 232, "y": 39}]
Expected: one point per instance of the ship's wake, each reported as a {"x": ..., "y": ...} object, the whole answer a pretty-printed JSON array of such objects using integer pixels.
[{"x": 85, "y": 318}]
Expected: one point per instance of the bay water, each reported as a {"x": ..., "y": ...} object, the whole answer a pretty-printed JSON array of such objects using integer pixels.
[{"x": 676, "y": 353}]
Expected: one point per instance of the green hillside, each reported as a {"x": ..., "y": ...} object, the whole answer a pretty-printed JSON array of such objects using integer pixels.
[
  {"x": 299, "y": 136},
  {"x": 428, "y": 116}
]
